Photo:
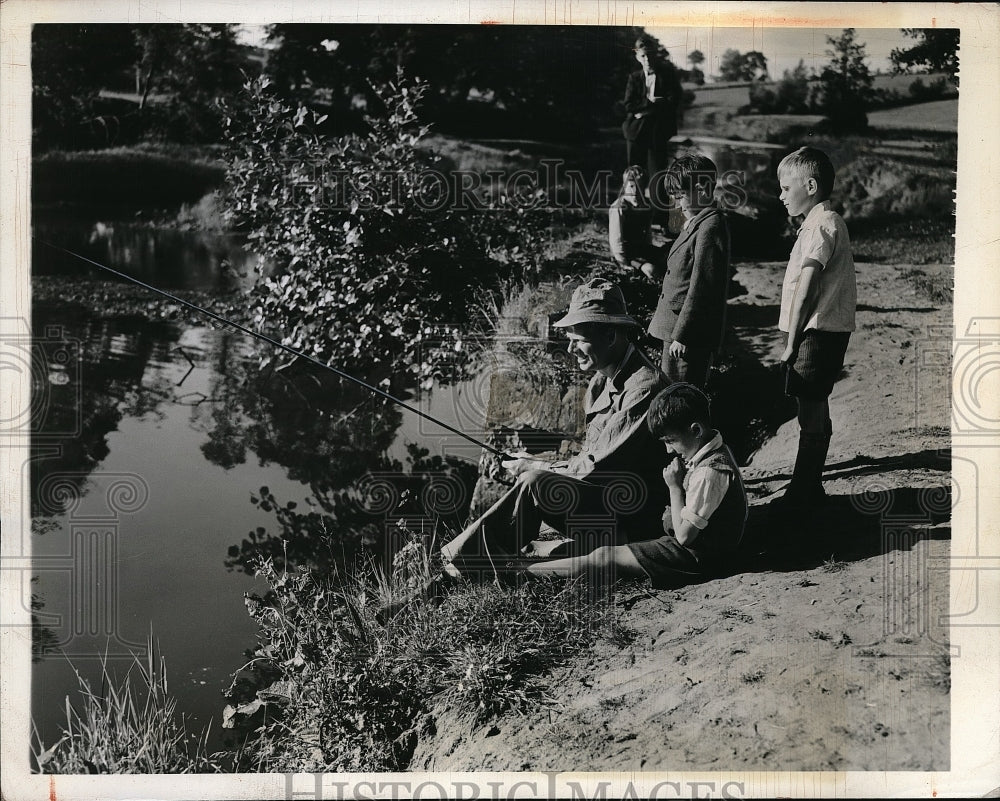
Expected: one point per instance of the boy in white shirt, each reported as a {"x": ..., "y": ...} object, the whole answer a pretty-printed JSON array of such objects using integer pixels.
[
  {"x": 818, "y": 302},
  {"x": 707, "y": 512}
]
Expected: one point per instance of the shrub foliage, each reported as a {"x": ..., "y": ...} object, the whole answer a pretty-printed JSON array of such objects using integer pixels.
[{"x": 373, "y": 259}]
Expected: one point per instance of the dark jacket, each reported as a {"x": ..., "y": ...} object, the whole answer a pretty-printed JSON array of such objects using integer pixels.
[
  {"x": 619, "y": 448},
  {"x": 692, "y": 305},
  {"x": 658, "y": 120}
]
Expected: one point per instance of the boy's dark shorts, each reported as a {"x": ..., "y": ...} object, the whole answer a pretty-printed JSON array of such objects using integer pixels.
[
  {"x": 667, "y": 563},
  {"x": 819, "y": 362}
]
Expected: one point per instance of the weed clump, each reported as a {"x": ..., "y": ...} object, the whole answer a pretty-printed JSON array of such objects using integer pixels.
[
  {"x": 126, "y": 725},
  {"x": 331, "y": 689}
]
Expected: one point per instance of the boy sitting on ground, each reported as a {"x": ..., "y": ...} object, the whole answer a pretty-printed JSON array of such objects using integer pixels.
[{"x": 704, "y": 521}]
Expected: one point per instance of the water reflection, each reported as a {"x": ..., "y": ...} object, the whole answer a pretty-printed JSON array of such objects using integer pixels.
[
  {"x": 163, "y": 257},
  {"x": 186, "y": 417},
  {"x": 105, "y": 375}
]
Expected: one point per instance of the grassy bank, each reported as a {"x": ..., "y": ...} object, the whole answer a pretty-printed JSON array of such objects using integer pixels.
[
  {"x": 331, "y": 688},
  {"x": 127, "y": 724}
]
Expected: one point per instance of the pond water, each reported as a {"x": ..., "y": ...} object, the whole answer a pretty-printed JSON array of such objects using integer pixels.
[
  {"x": 163, "y": 257},
  {"x": 152, "y": 437}
]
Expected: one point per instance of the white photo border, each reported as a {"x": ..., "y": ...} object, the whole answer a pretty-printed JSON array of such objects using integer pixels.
[{"x": 975, "y": 712}]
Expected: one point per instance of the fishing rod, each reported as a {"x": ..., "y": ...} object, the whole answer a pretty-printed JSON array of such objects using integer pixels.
[{"x": 218, "y": 317}]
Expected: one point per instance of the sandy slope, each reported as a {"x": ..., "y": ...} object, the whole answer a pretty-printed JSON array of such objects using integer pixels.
[{"x": 825, "y": 650}]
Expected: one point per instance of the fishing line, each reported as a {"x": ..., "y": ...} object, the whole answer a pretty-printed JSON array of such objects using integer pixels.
[{"x": 293, "y": 351}]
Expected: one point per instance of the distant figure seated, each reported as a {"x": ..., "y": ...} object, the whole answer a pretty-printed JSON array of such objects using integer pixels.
[
  {"x": 613, "y": 486},
  {"x": 629, "y": 219},
  {"x": 706, "y": 515}
]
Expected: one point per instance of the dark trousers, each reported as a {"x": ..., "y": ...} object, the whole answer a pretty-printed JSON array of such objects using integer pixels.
[
  {"x": 591, "y": 514},
  {"x": 653, "y": 157},
  {"x": 692, "y": 367}
]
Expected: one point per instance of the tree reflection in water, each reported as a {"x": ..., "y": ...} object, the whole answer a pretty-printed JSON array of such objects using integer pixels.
[
  {"x": 326, "y": 433},
  {"x": 333, "y": 437},
  {"x": 105, "y": 364}
]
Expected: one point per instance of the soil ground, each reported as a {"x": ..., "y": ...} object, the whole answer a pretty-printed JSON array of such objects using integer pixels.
[{"x": 822, "y": 649}]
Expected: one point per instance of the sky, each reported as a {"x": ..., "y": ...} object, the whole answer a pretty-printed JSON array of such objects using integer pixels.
[{"x": 783, "y": 47}]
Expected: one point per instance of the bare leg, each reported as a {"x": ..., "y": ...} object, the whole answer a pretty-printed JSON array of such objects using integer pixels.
[{"x": 607, "y": 563}]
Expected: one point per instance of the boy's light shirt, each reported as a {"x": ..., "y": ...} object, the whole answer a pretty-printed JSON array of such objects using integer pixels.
[
  {"x": 823, "y": 238},
  {"x": 704, "y": 489},
  {"x": 651, "y": 85}
]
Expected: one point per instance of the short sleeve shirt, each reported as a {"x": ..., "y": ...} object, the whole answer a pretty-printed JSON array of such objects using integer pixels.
[
  {"x": 704, "y": 487},
  {"x": 823, "y": 238}
]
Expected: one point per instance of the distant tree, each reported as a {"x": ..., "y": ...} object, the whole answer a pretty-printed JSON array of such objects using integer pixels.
[
  {"x": 845, "y": 83},
  {"x": 191, "y": 67},
  {"x": 731, "y": 65},
  {"x": 70, "y": 64},
  {"x": 789, "y": 96},
  {"x": 793, "y": 89},
  {"x": 695, "y": 74},
  {"x": 475, "y": 75},
  {"x": 188, "y": 66},
  {"x": 737, "y": 66},
  {"x": 936, "y": 50},
  {"x": 754, "y": 66}
]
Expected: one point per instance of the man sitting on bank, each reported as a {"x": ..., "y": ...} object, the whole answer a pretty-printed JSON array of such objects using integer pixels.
[{"x": 613, "y": 490}]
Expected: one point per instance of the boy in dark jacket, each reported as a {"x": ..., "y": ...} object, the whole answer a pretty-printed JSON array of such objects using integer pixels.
[
  {"x": 652, "y": 98},
  {"x": 690, "y": 316}
]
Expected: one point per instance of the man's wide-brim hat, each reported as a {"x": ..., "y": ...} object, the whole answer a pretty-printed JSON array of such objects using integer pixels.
[{"x": 597, "y": 301}]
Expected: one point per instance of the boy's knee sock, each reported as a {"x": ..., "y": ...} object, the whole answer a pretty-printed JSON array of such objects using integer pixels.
[{"x": 807, "y": 477}]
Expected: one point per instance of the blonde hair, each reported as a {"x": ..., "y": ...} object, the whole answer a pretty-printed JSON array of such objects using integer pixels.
[{"x": 808, "y": 162}]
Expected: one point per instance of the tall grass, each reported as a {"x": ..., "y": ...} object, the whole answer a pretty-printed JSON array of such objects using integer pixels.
[
  {"x": 332, "y": 689},
  {"x": 127, "y": 725}
]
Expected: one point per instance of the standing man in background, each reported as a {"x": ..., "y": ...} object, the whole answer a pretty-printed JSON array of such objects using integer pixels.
[{"x": 652, "y": 99}]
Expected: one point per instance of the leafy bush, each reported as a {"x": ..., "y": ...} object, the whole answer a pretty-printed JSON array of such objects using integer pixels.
[
  {"x": 935, "y": 90},
  {"x": 331, "y": 689},
  {"x": 375, "y": 258}
]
